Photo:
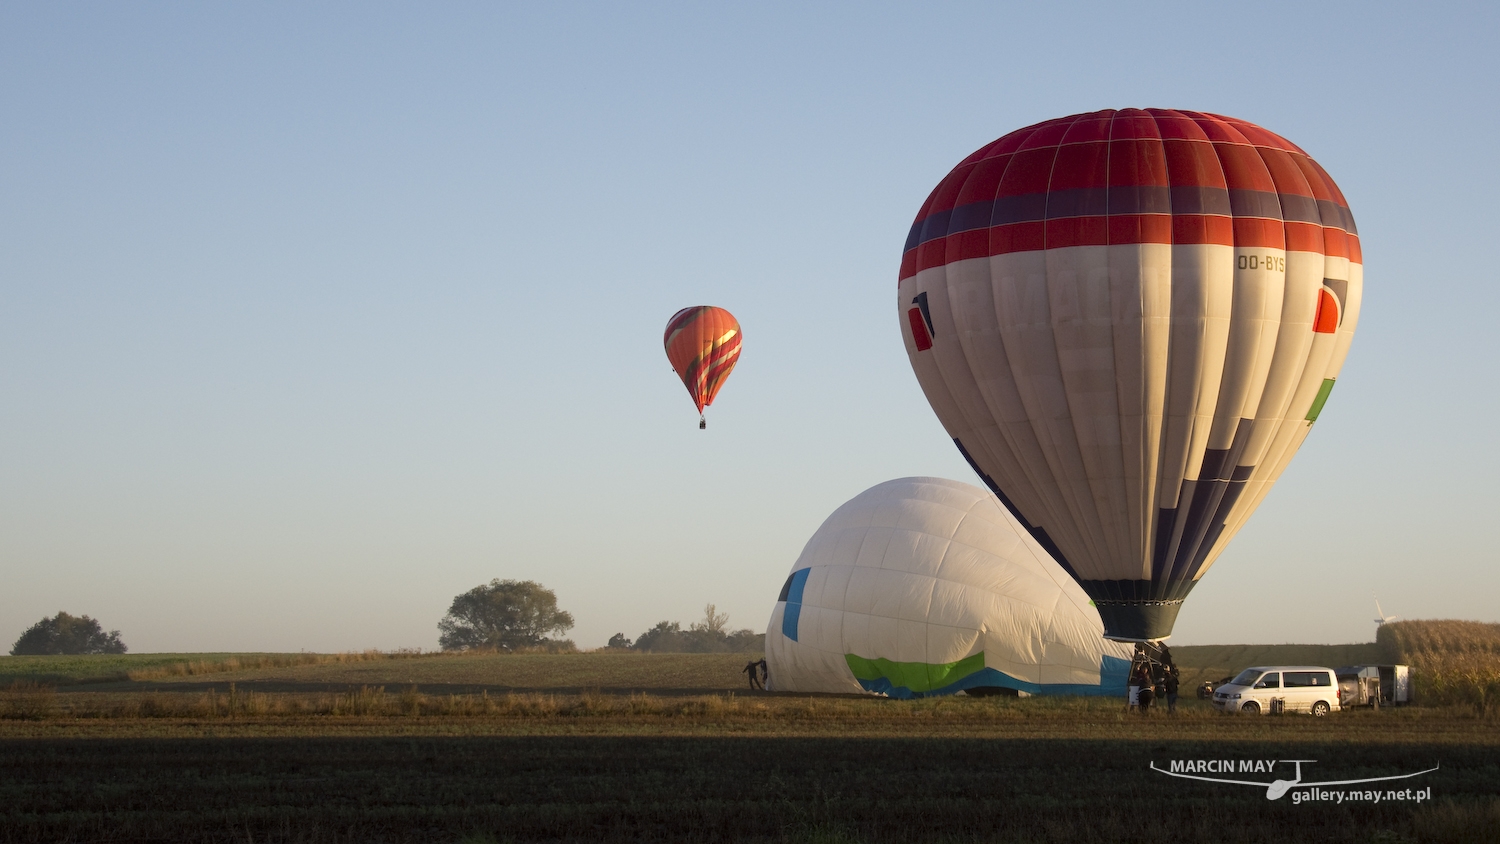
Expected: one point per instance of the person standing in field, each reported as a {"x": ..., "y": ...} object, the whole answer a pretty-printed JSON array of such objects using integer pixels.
[
  {"x": 1145, "y": 696},
  {"x": 1133, "y": 685},
  {"x": 1169, "y": 682},
  {"x": 765, "y": 673},
  {"x": 752, "y": 669}
]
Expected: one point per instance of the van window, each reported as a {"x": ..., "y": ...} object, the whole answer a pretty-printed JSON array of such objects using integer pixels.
[
  {"x": 1270, "y": 681},
  {"x": 1245, "y": 678},
  {"x": 1306, "y": 679}
]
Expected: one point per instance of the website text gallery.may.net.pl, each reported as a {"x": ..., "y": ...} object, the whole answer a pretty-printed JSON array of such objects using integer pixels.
[{"x": 1328, "y": 795}]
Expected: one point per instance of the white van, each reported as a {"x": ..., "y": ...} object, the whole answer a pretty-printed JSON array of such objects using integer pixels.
[{"x": 1290, "y": 688}]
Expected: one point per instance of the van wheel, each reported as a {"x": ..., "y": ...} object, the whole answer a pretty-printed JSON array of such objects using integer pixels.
[
  {"x": 1320, "y": 708},
  {"x": 1250, "y": 708}
]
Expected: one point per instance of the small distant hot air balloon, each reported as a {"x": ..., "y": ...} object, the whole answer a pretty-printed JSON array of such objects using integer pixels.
[
  {"x": 1128, "y": 321},
  {"x": 703, "y": 344}
]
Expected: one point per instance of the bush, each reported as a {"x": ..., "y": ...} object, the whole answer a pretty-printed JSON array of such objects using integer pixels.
[
  {"x": 67, "y": 634},
  {"x": 708, "y": 636}
]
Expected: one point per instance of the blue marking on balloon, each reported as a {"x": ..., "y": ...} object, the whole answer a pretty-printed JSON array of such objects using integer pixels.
[{"x": 792, "y": 592}]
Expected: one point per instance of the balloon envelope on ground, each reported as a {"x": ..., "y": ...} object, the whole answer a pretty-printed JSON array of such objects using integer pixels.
[
  {"x": 925, "y": 586},
  {"x": 1128, "y": 321}
]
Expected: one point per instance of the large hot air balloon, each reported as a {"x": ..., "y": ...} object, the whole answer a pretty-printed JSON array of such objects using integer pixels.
[
  {"x": 1128, "y": 321},
  {"x": 703, "y": 344}
]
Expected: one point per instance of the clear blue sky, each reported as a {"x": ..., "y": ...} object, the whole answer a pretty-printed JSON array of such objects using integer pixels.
[{"x": 313, "y": 316}]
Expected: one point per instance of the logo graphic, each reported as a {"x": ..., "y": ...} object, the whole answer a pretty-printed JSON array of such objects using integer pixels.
[
  {"x": 1191, "y": 768},
  {"x": 920, "y": 318}
]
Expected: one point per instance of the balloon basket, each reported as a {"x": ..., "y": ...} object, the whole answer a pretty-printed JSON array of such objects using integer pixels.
[{"x": 702, "y": 423}]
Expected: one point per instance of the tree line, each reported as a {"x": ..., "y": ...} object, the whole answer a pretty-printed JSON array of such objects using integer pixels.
[
  {"x": 502, "y": 615},
  {"x": 514, "y": 615},
  {"x": 708, "y": 636}
]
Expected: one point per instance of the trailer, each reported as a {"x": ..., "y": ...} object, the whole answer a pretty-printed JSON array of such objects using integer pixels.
[{"x": 1374, "y": 685}]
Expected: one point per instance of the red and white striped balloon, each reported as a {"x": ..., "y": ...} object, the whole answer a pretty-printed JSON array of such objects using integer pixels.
[
  {"x": 1128, "y": 321},
  {"x": 703, "y": 345}
]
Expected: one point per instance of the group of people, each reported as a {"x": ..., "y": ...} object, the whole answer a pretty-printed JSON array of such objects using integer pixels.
[
  {"x": 1153, "y": 676},
  {"x": 758, "y": 673}
]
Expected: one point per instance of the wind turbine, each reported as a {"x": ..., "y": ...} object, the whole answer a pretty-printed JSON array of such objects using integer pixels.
[{"x": 1383, "y": 617}]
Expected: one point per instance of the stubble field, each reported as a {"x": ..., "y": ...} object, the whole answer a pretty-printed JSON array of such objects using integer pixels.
[{"x": 630, "y": 747}]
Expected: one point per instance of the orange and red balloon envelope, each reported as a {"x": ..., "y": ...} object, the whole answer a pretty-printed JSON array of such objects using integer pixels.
[{"x": 703, "y": 344}]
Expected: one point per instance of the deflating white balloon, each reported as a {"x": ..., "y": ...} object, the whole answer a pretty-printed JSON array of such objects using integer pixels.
[{"x": 925, "y": 586}]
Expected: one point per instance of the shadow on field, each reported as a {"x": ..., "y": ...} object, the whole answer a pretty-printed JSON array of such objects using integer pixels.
[{"x": 604, "y": 789}]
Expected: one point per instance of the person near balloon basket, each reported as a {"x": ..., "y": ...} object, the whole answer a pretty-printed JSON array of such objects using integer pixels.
[
  {"x": 1146, "y": 689},
  {"x": 752, "y": 670}
]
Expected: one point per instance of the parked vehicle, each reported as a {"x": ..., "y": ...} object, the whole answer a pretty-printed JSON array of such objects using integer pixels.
[
  {"x": 1280, "y": 688},
  {"x": 1374, "y": 685}
]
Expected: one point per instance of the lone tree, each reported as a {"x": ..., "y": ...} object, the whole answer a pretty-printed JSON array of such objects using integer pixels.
[
  {"x": 67, "y": 634},
  {"x": 503, "y": 614},
  {"x": 713, "y": 622}
]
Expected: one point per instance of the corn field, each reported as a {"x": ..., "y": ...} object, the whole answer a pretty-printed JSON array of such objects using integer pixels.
[{"x": 1455, "y": 663}]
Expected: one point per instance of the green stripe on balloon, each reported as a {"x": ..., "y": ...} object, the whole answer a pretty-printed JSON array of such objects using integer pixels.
[
  {"x": 1317, "y": 405},
  {"x": 917, "y": 676}
]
